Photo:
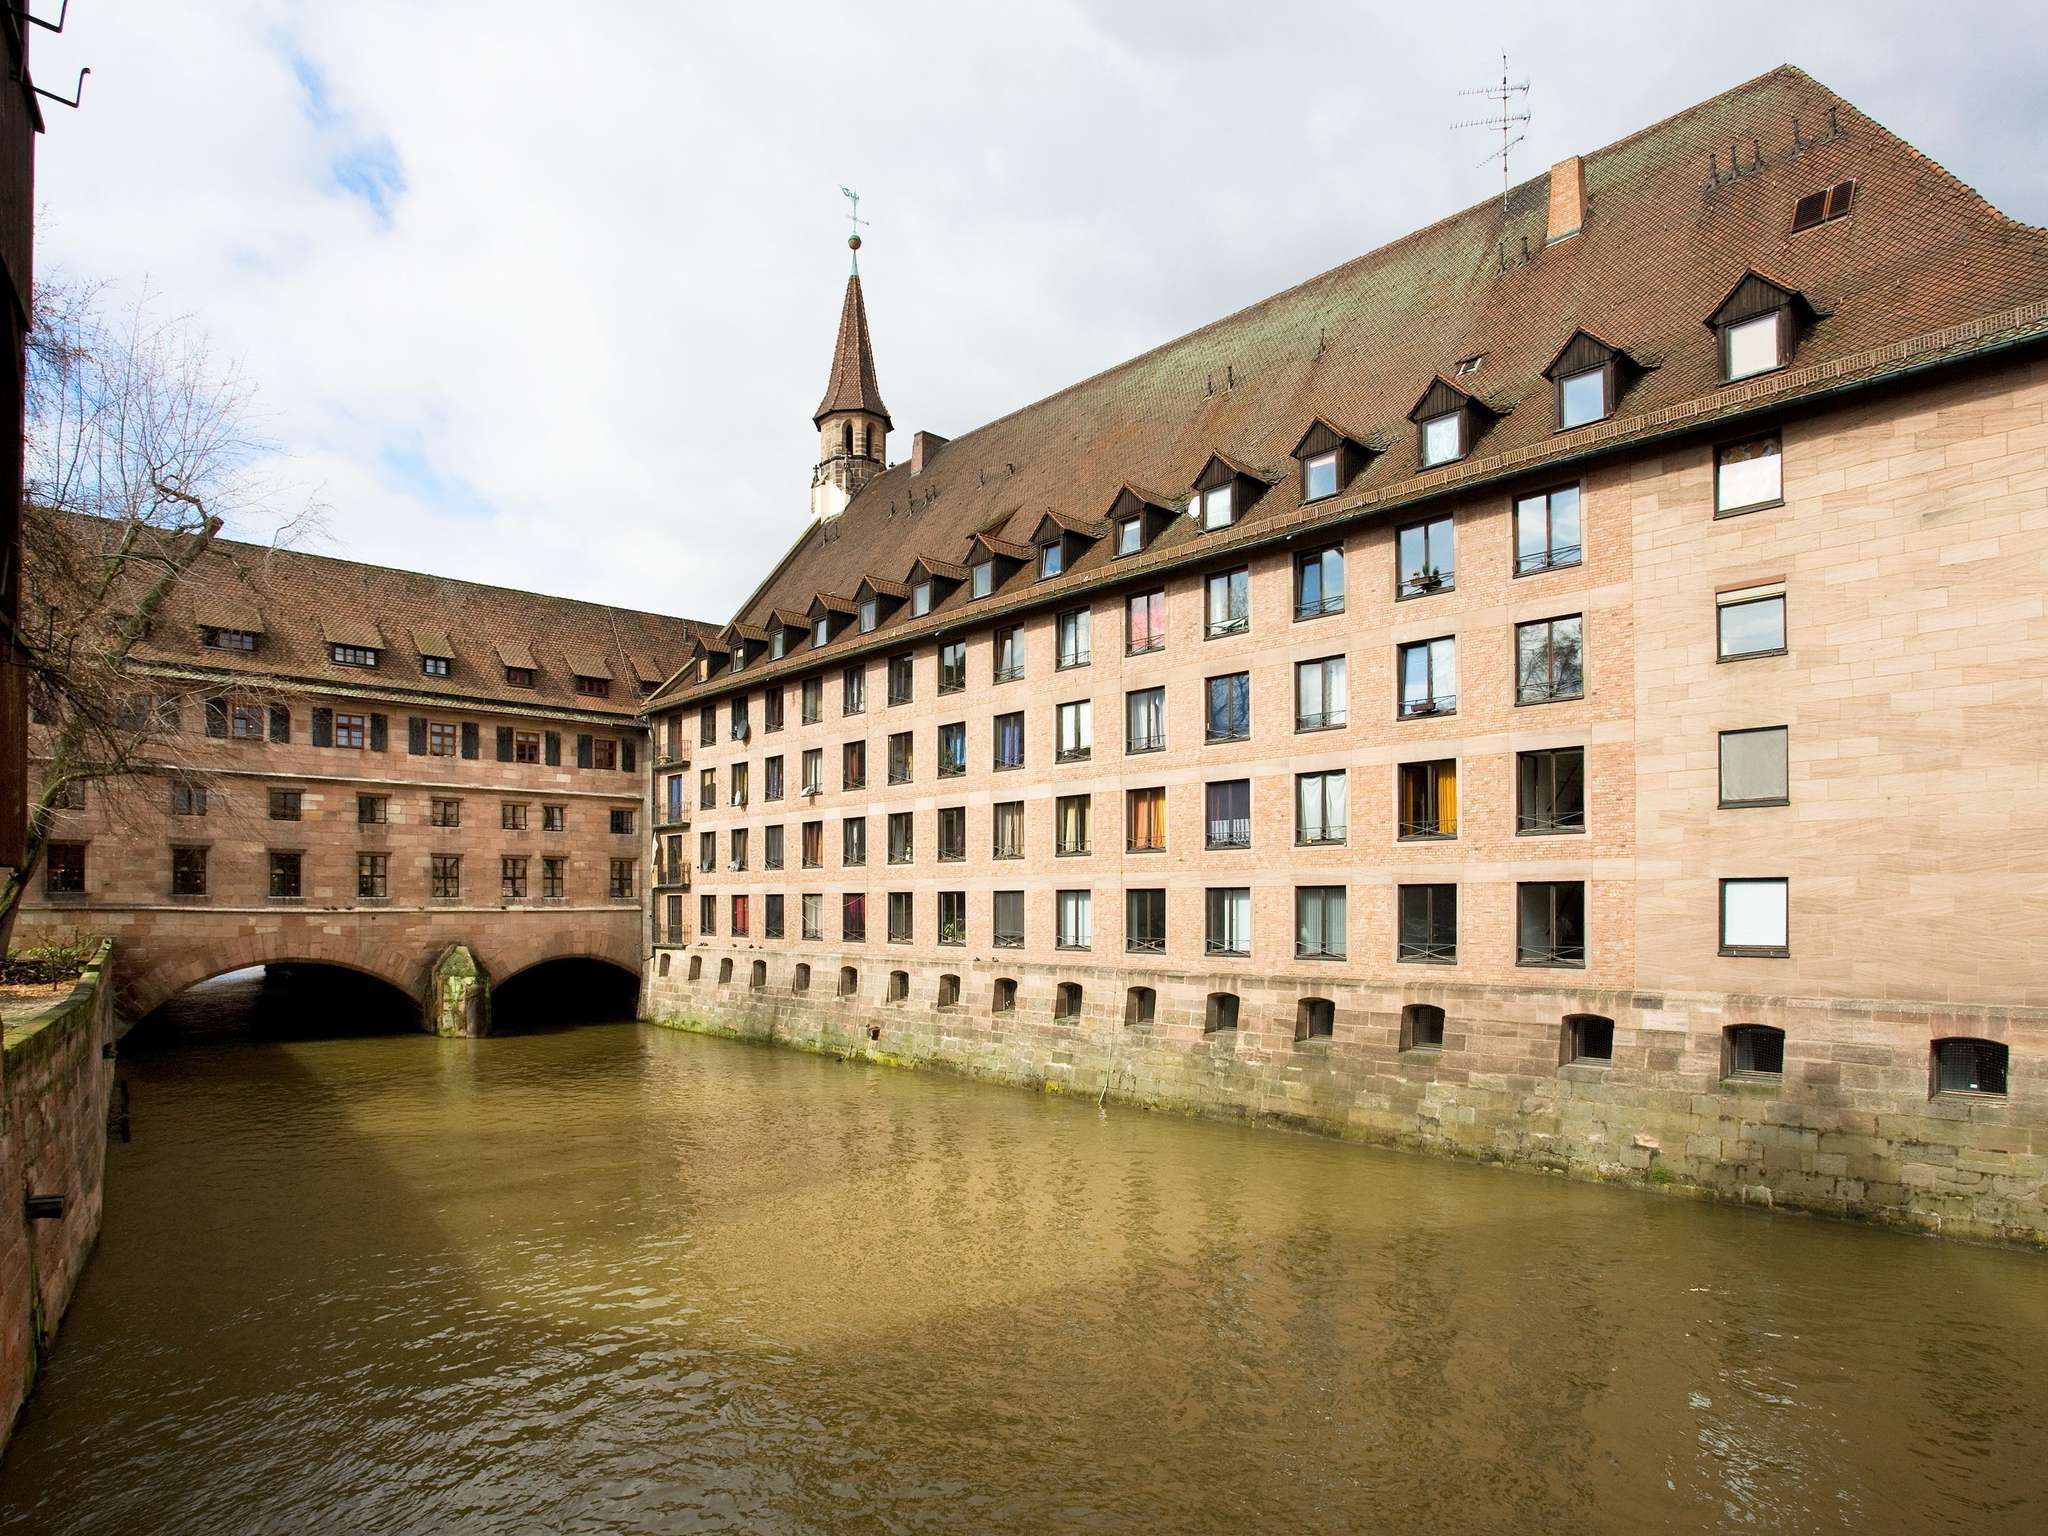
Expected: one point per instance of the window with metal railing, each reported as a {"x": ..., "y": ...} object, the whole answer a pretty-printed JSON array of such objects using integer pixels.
[
  {"x": 1428, "y": 795},
  {"x": 1145, "y": 720},
  {"x": 1229, "y": 712},
  {"x": 1550, "y": 923},
  {"x": 1227, "y": 806},
  {"x": 1319, "y": 582},
  {"x": 1427, "y": 924},
  {"x": 1428, "y": 673},
  {"x": 1320, "y": 801},
  {"x": 1550, "y": 791},
  {"x": 1319, "y": 694},
  {"x": 1547, "y": 531},
  {"x": 1229, "y": 931},
  {"x": 1145, "y": 922},
  {"x": 1227, "y": 604}
]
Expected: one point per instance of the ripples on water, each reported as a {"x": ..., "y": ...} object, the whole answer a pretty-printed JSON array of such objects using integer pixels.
[{"x": 612, "y": 1279}]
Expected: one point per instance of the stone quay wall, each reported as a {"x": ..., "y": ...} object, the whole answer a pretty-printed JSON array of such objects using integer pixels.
[
  {"x": 1850, "y": 1128},
  {"x": 58, "y": 1079}
]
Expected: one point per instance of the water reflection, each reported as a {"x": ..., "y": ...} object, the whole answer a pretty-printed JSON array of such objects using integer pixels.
[{"x": 611, "y": 1279}]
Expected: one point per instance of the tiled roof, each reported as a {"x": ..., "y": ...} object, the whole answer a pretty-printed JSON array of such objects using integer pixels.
[
  {"x": 308, "y": 602},
  {"x": 1668, "y": 233},
  {"x": 852, "y": 386}
]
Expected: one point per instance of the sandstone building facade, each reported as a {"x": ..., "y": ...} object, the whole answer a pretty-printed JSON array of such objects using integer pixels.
[
  {"x": 1566, "y": 687},
  {"x": 368, "y": 768}
]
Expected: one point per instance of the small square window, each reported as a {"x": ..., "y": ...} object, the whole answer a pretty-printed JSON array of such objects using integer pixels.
[
  {"x": 1582, "y": 397},
  {"x": 1751, "y": 347},
  {"x": 1754, "y": 917},
  {"x": 1130, "y": 536},
  {"x": 1443, "y": 439},
  {"x": 1748, "y": 475},
  {"x": 1319, "y": 477},
  {"x": 1751, "y": 623}
]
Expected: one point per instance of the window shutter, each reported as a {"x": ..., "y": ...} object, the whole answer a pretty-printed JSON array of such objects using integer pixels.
[
  {"x": 216, "y": 717},
  {"x": 416, "y": 735},
  {"x": 280, "y": 722},
  {"x": 323, "y": 727},
  {"x": 471, "y": 739},
  {"x": 626, "y": 756},
  {"x": 552, "y": 749},
  {"x": 380, "y": 734},
  {"x": 583, "y": 751},
  {"x": 504, "y": 743}
]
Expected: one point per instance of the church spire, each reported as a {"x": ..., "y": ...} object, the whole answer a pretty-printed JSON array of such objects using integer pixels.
[
  {"x": 852, "y": 386},
  {"x": 853, "y": 424}
]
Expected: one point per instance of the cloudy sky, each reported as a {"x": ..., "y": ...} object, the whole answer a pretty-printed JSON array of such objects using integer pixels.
[{"x": 544, "y": 294}]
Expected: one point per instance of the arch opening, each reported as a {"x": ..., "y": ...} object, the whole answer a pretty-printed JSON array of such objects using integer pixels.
[
  {"x": 282, "y": 1000},
  {"x": 574, "y": 989}
]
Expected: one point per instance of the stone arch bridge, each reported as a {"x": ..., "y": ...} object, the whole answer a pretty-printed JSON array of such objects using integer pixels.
[{"x": 447, "y": 960}]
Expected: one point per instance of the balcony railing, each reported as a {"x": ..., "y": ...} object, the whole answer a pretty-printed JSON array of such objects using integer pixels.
[
  {"x": 1145, "y": 645},
  {"x": 1008, "y": 940},
  {"x": 1557, "y": 557},
  {"x": 1319, "y": 608},
  {"x": 951, "y": 770},
  {"x": 1428, "y": 951},
  {"x": 1130, "y": 847},
  {"x": 1569, "y": 955},
  {"x": 1155, "y": 742},
  {"x": 1229, "y": 624},
  {"x": 1318, "y": 837},
  {"x": 1228, "y": 947},
  {"x": 1010, "y": 673},
  {"x": 1008, "y": 851},
  {"x": 1422, "y": 583},
  {"x": 952, "y": 855},
  {"x": 1234, "y": 833},
  {"x": 1317, "y": 952},
  {"x": 1071, "y": 659},
  {"x": 1328, "y": 720},
  {"x": 1137, "y": 944},
  {"x": 1073, "y": 754},
  {"x": 1069, "y": 847},
  {"x": 1226, "y": 732},
  {"x": 900, "y": 856},
  {"x": 1434, "y": 830}
]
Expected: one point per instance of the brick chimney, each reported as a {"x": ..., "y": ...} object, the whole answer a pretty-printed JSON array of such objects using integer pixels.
[
  {"x": 1567, "y": 201},
  {"x": 924, "y": 447}
]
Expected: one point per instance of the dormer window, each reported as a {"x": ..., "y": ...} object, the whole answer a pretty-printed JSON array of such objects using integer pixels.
[
  {"x": 921, "y": 599},
  {"x": 1757, "y": 326},
  {"x": 352, "y": 655},
  {"x": 522, "y": 677},
  {"x": 1590, "y": 375},
  {"x": 436, "y": 666},
  {"x": 1216, "y": 508},
  {"x": 1224, "y": 492},
  {"x": 982, "y": 579},
  {"x": 739, "y": 655},
  {"x": 778, "y": 644},
  {"x": 870, "y": 615},
  {"x": 1443, "y": 438},
  {"x": 1319, "y": 476},
  {"x": 1130, "y": 537},
  {"x": 1052, "y": 559},
  {"x": 1582, "y": 397},
  {"x": 228, "y": 639},
  {"x": 1330, "y": 459},
  {"x": 821, "y": 632},
  {"x": 593, "y": 687}
]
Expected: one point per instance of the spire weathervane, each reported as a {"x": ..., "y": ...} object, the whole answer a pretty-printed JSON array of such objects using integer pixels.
[{"x": 855, "y": 221}]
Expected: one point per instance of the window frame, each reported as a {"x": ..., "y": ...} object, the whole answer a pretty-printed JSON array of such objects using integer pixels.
[
  {"x": 1555, "y": 556},
  {"x": 1721, "y": 451},
  {"x": 1320, "y": 559},
  {"x": 1550, "y": 651},
  {"x": 1324, "y": 894},
  {"x": 1527, "y": 824},
  {"x": 1233, "y": 898},
  {"x": 1721, "y": 766},
  {"x": 1555, "y": 951},
  {"x": 1780, "y": 951},
  {"x": 1751, "y": 597},
  {"x": 1604, "y": 372},
  {"x": 1406, "y": 587}
]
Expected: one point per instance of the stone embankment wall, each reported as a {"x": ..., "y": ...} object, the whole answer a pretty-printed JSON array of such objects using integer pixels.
[
  {"x": 1849, "y": 1128},
  {"x": 53, "y": 1142}
]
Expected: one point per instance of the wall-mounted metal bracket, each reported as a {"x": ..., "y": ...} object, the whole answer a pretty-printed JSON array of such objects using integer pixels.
[
  {"x": 65, "y": 101},
  {"x": 22, "y": 13}
]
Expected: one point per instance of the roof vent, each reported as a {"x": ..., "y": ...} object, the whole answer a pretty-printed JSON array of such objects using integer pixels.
[{"x": 1819, "y": 207}]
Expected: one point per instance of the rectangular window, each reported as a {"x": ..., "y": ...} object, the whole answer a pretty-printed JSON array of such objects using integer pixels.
[
  {"x": 1748, "y": 475},
  {"x": 1320, "y": 807},
  {"x": 921, "y": 599},
  {"x": 1009, "y": 654},
  {"x": 870, "y": 616},
  {"x": 1008, "y": 820},
  {"x": 228, "y": 639},
  {"x": 853, "y": 917},
  {"x": 673, "y": 803},
  {"x": 1227, "y": 806},
  {"x": 1009, "y": 920},
  {"x": 1547, "y": 530},
  {"x": 707, "y": 725},
  {"x": 737, "y": 850},
  {"x": 821, "y": 632},
  {"x": 285, "y": 804},
  {"x": 353, "y": 655},
  {"x": 373, "y": 876},
  {"x": 1319, "y": 695},
  {"x": 64, "y": 869},
  {"x": 285, "y": 871},
  {"x": 812, "y": 915},
  {"x": 853, "y": 765},
  {"x": 853, "y": 841},
  {"x": 853, "y": 690},
  {"x": 189, "y": 799},
  {"x": 952, "y": 917},
  {"x": 1076, "y": 911},
  {"x": 902, "y": 846},
  {"x": 1071, "y": 646},
  {"x": 742, "y": 917},
  {"x": 1319, "y": 928},
  {"x": 555, "y": 818},
  {"x": 772, "y": 778},
  {"x": 1218, "y": 510},
  {"x": 771, "y": 916},
  {"x": 814, "y": 844},
  {"x": 1071, "y": 830},
  {"x": 245, "y": 723},
  {"x": 1145, "y": 720},
  {"x": 1319, "y": 582},
  {"x": 737, "y": 793},
  {"x": 901, "y": 672},
  {"x": 1145, "y": 623},
  {"x": 1230, "y": 920},
  {"x": 1550, "y": 923},
  {"x": 981, "y": 579},
  {"x": 512, "y": 817},
  {"x": 707, "y": 914},
  {"x": 814, "y": 770},
  {"x": 1581, "y": 397},
  {"x": 952, "y": 833},
  {"x": 901, "y": 917},
  {"x": 1130, "y": 536},
  {"x": 707, "y": 852},
  {"x": 737, "y": 726},
  {"x": 1429, "y": 678},
  {"x": 707, "y": 788},
  {"x": 1443, "y": 439},
  {"x": 526, "y": 746},
  {"x": 352, "y": 731},
  {"x": 1751, "y": 622},
  {"x": 1145, "y": 820},
  {"x": 1227, "y": 604},
  {"x": 1009, "y": 741},
  {"x": 444, "y": 813},
  {"x": 953, "y": 666},
  {"x": 601, "y": 687},
  {"x": 1751, "y": 347},
  {"x": 619, "y": 884},
  {"x": 1549, "y": 661},
  {"x": 1319, "y": 476},
  {"x": 188, "y": 872},
  {"x": 1076, "y": 722},
  {"x": 1550, "y": 791},
  {"x": 952, "y": 750},
  {"x": 512, "y": 879},
  {"x": 772, "y": 709},
  {"x": 1428, "y": 924},
  {"x": 441, "y": 739},
  {"x": 1428, "y": 557},
  {"x": 1754, "y": 766},
  {"x": 1429, "y": 800},
  {"x": 1754, "y": 917},
  {"x": 811, "y": 700},
  {"x": 1145, "y": 922},
  {"x": 772, "y": 840},
  {"x": 371, "y": 810},
  {"x": 899, "y": 757},
  {"x": 1229, "y": 716},
  {"x": 1052, "y": 559}
]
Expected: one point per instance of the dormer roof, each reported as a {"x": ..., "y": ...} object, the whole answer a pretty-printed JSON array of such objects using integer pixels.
[
  {"x": 1055, "y": 525},
  {"x": 1000, "y": 546},
  {"x": 1323, "y": 436},
  {"x": 1220, "y": 467},
  {"x": 1753, "y": 295}
]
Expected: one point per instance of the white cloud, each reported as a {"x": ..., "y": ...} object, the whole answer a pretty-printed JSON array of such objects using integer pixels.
[{"x": 572, "y": 338}]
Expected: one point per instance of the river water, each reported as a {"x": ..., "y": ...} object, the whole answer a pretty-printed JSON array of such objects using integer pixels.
[{"x": 611, "y": 1279}]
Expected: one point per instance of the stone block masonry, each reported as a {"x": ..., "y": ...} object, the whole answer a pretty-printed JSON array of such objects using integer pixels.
[
  {"x": 58, "y": 1076},
  {"x": 1848, "y": 1129}
]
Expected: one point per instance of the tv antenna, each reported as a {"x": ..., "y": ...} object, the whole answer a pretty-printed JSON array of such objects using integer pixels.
[{"x": 1508, "y": 121}]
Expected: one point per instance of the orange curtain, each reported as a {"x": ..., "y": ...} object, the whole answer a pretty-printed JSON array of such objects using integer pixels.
[{"x": 1148, "y": 818}]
